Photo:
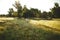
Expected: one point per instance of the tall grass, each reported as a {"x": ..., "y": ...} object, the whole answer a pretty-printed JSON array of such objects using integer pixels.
[{"x": 22, "y": 30}]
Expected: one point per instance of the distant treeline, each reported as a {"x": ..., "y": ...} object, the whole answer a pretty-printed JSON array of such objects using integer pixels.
[{"x": 33, "y": 12}]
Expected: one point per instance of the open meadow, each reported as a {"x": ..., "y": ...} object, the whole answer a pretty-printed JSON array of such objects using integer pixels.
[{"x": 29, "y": 29}]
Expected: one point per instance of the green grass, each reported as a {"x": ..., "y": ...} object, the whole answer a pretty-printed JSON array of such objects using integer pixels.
[{"x": 20, "y": 29}]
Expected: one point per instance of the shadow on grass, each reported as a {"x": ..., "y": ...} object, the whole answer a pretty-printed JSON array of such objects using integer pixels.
[{"x": 54, "y": 37}]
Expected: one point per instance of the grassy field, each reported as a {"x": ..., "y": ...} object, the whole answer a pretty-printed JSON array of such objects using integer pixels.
[
  {"x": 27, "y": 29},
  {"x": 50, "y": 23}
]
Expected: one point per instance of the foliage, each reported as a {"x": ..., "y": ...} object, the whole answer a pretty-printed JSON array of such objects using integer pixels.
[
  {"x": 35, "y": 13},
  {"x": 56, "y": 11},
  {"x": 18, "y": 6},
  {"x": 10, "y": 11},
  {"x": 44, "y": 14}
]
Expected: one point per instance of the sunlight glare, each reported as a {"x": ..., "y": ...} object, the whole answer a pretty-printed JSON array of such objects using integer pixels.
[{"x": 43, "y": 5}]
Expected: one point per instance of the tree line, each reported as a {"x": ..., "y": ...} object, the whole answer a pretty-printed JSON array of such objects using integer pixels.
[{"x": 33, "y": 12}]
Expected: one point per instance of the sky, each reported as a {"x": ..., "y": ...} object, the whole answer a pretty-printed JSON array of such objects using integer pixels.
[{"x": 43, "y": 5}]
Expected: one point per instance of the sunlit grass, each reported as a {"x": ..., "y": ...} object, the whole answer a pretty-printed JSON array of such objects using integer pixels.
[{"x": 50, "y": 23}]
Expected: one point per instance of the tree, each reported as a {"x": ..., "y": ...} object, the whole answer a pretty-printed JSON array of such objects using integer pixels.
[
  {"x": 36, "y": 12},
  {"x": 15, "y": 14},
  {"x": 25, "y": 9},
  {"x": 56, "y": 5},
  {"x": 18, "y": 6},
  {"x": 49, "y": 15},
  {"x": 10, "y": 12},
  {"x": 28, "y": 14},
  {"x": 56, "y": 11},
  {"x": 44, "y": 15}
]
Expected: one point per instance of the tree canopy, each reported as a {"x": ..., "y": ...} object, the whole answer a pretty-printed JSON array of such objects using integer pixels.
[{"x": 33, "y": 12}]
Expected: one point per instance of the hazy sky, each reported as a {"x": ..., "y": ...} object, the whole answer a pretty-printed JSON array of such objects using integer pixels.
[{"x": 43, "y": 5}]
